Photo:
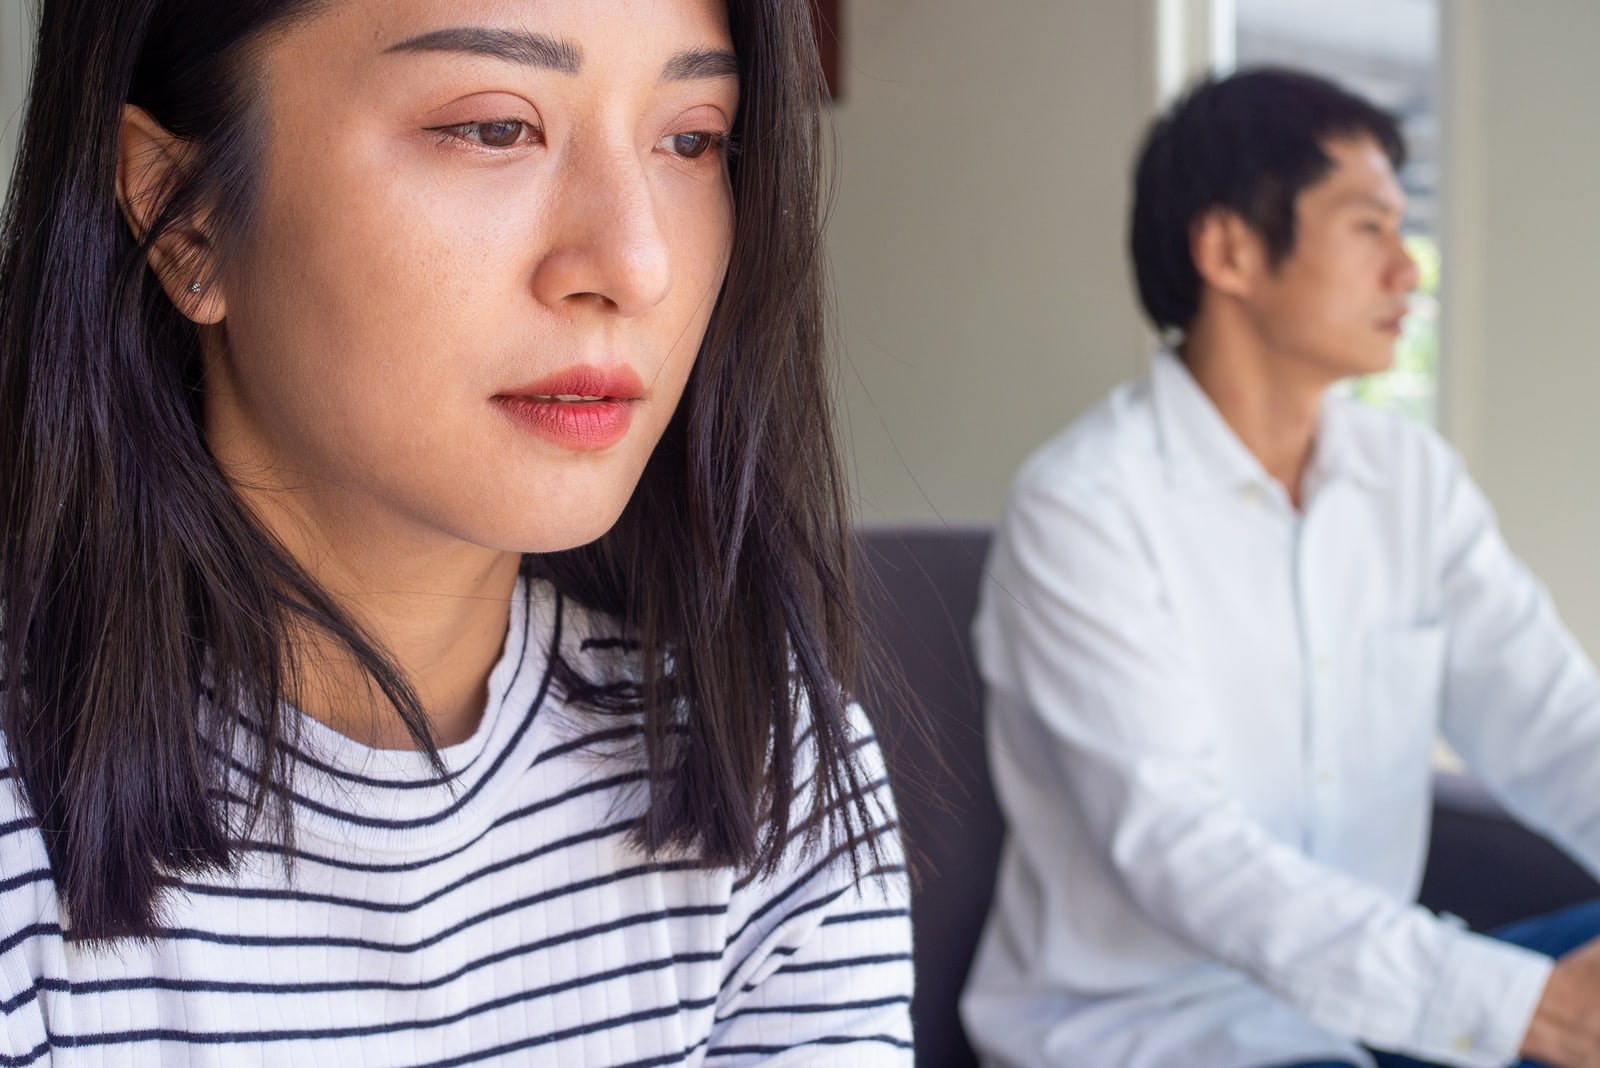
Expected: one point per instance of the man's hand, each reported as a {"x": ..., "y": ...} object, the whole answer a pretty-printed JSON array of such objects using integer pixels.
[{"x": 1565, "y": 1032}]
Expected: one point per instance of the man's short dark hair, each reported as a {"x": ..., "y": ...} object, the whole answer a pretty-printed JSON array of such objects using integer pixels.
[{"x": 1248, "y": 143}]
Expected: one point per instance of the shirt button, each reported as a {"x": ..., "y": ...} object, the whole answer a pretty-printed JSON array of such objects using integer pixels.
[
  {"x": 1324, "y": 777},
  {"x": 1322, "y": 664},
  {"x": 1463, "y": 1043}
]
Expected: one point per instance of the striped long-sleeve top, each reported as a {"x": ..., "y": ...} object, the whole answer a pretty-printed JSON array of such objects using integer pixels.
[{"x": 506, "y": 918}]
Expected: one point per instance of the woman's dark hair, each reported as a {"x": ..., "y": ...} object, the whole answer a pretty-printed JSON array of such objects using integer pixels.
[
  {"x": 1249, "y": 144},
  {"x": 147, "y": 616}
]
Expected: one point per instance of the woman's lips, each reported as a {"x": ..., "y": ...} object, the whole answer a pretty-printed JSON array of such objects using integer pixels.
[
  {"x": 581, "y": 408},
  {"x": 583, "y": 426}
]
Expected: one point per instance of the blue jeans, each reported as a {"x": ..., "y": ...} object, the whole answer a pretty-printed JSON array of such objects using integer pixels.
[{"x": 1552, "y": 935}]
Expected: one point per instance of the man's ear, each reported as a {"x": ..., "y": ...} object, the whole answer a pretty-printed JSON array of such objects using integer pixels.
[
  {"x": 1228, "y": 255},
  {"x": 150, "y": 165}
]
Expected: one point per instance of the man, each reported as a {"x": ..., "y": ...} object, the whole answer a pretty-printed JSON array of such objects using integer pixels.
[{"x": 1229, "y": 613}]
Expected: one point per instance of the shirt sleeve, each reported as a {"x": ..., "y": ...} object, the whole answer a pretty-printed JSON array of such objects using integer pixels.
[
  {"x": 1089, "y": 650},
  {"x": 818, "y": 967},
  {"x": 1522, "y": 700}
]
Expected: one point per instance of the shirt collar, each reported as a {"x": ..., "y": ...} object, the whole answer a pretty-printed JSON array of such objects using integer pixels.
[
  {"x": 1201, "y": 449},
  {"x": 1343, "y": 452}
]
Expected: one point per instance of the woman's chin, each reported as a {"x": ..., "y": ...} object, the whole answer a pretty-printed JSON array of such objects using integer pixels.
[{"x": 569, "y": 532}]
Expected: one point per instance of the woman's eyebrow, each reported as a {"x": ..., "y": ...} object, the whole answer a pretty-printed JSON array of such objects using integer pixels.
[
  {"x": 514, "y": 46},
  {"x": 695, "y": 63}
]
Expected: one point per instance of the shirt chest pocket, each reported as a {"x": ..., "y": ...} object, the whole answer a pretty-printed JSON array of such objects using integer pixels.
[{"x": 1402, "y": 692}]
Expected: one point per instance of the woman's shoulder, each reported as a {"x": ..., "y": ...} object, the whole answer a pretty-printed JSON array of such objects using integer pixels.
[
  {"x": 830, "y": 927},
  {"x": 839, "y": 850},
  {"x": 852, "y": 854}
]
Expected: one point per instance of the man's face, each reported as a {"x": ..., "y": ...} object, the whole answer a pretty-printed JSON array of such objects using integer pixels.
[{"x": 1335, "y": 304}]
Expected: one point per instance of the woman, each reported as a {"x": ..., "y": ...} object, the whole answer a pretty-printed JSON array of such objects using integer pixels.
[{"x": 423, "y": 576}]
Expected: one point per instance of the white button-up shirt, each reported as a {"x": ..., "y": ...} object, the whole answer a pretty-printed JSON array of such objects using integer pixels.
[{"x": 1210, "y": 720}]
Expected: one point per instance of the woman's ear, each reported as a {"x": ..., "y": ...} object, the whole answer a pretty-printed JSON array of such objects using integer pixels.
[
  {"x": 1228, "y": 255},
  {"x": 150, "y": 164}
]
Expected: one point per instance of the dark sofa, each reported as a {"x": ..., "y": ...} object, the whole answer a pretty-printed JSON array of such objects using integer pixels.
[{"x": 921, "y": 591}]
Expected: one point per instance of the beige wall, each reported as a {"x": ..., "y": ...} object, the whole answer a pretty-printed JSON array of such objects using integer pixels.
[
  {"x": 1522, "y": 361},
  {"x": 977, "y": 238}
]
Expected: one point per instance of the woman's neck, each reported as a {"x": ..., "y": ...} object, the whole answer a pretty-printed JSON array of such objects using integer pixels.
[{"x": 438, "y": 610}]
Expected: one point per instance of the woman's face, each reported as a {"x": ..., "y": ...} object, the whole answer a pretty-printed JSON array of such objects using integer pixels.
[{"x": 490, "y": 236}]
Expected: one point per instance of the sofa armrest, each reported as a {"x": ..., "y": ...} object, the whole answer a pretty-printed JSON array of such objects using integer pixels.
[{"x": 1486, "y": 867}]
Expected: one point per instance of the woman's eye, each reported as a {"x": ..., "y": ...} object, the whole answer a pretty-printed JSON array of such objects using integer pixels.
[
  {"x": 692, "y": 145},
  {"x": 501, "y": 133}
]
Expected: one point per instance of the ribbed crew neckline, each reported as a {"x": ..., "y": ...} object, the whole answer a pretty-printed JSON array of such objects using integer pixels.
[{"x": 368, "y": 800}]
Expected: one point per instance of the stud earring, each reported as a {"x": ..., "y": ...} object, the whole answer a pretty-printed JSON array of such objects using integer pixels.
[{"x": 196, "y": 288}]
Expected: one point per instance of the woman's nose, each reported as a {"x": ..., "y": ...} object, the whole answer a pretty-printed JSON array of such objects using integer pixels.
[{"x": 606, "y": 242}]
